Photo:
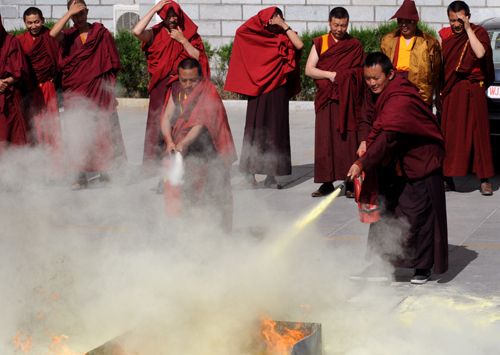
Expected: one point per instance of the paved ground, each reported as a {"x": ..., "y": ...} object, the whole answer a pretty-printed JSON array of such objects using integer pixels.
[
  {"x": 473, "y": 224},
  {"x": 473, "y": 220},
  {"x": 92, "y": 264}
]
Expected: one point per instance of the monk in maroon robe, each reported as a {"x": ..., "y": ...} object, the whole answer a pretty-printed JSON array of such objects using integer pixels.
[
  {"x": 195, "y": 124},
  {"x": 403, "y": 166},
  {"x": 42, "y": 53},
  {"x": 468, "y": 71},
  {"x": 264, "y": 66},
  {"x": 12, "y": 67},
  {"x": 166, "y": 45},
  {"x": 335, "y": 62},
  {"x": 89, "y": 67}
]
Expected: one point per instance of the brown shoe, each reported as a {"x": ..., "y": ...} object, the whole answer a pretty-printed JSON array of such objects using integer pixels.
[
  {"x": 325, "y": 189},
  {"x": 80, "y": 183},
  {"x": 486, "y": 189}
]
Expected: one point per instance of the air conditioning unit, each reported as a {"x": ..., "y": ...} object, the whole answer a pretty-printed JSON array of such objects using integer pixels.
[{"x": 125, "y": 17}]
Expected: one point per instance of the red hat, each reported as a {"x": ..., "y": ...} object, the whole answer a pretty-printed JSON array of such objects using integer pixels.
[{"x": 407, "y": 11}]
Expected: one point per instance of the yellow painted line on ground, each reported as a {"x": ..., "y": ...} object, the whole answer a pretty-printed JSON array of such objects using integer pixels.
[{"x": 483, "y": 246}]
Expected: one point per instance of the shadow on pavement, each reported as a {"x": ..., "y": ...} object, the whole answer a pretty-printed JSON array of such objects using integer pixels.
[
  {"x": 300, "y": 174},
  {"x": 459, "y": 258},
  {"x": 471, "y": 183}
]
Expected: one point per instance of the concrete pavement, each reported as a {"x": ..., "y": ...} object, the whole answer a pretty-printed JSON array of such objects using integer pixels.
[
  {"x": 473, "y": 219},
  {"x": 97, "y": 263}
]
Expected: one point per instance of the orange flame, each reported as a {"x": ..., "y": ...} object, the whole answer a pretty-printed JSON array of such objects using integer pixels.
[
  {"x": 57, "y": 346},
  {"x": 280, "y": 342},
  {"x": 22, "y": 342}
]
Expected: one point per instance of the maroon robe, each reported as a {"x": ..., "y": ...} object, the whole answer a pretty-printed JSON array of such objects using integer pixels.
[
  {"x": 42, "y": 54},
  {"x": 209, "y": 158},
  {"x": 264, "y": 66},
  {"x": 89, "y": 72},
  {"x": 465, "y": 122},
  {"x": 261, "y": 60},
  {"x": 403, "y": 162},
  {"x": 163, "y": 55},
  {"x": 12, "y": 64},
  {"x": 203, "y": 106},
  {"x": 337, "y": 105}
]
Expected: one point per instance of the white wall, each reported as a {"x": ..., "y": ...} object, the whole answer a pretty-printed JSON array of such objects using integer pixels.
[{"x": 218, "y": 19}]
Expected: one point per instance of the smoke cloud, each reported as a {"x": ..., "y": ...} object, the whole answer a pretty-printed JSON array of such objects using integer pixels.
[{"x": 106, "y": 262}]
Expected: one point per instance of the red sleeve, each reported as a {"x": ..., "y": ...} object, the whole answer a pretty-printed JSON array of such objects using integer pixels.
[
  {"x": 445, "y": 32},
  {"x": 112, "y": 50},
  {"x": 16, "y": 65},
  {"x": 366, "y": 115},
  {"x": 379, "y": 150},
  {"x": 197, "y": 43}
]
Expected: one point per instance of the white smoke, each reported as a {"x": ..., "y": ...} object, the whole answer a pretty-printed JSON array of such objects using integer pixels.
[
  {"x": 174, "y": 172},
  {"x": 107, "y": 262}
]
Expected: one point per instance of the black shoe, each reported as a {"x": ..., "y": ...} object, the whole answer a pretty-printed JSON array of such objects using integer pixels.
[
  {"x": 104, "y": 178},
  {"x": 449, "y": 184},
  {"x": 325, "y": 189},
  {"x": 349, "y": 194},
  {"x": 271, "y": 182},
  {"x": 99, "y": 177},
  {"x": 349, "y": 189},
  {"x": 421, "y": 276}
]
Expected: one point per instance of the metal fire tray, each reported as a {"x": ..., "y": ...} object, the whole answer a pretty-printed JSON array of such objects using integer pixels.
[{"x": 311, "y": 344}]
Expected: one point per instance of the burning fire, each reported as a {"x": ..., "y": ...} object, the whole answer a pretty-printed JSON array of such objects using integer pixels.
[
  {"x": 280, "y": 341},
  {"x": 57, "y": 346},
  {"x": 24, "y": 344}
]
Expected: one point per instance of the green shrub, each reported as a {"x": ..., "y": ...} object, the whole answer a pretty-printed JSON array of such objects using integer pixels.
[
  {"x": 17, "y": 31},
  {"x": 308, "y": 88},
  {"x": 371, "y": 37},
  {"x": 221, "y": 64},
  {"x": 133, "y": 79},
  {"x": 209, "y": 50},
  {"x": 223, "y": 55},
  {"x": 427, "y": 29},
  {"x": 21, "y": 30}
]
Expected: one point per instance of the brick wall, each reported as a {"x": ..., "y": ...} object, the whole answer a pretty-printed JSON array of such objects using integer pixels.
[{"x": 218, "y": 19}]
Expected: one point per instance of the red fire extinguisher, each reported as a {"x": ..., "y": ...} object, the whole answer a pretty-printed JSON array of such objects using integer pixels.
[{"x": 172, "y": 183}]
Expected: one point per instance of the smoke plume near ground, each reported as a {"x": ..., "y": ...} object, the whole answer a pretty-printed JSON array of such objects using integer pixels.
[{"x": 103, "y": 262}]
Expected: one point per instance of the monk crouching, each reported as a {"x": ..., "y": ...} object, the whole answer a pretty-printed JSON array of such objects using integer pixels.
[{"x": 195, "y": 124}]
